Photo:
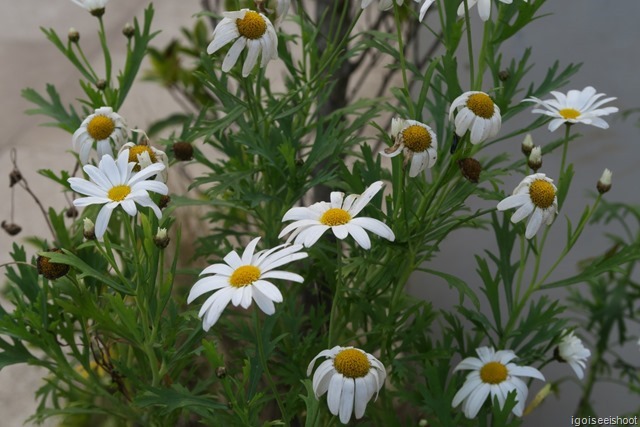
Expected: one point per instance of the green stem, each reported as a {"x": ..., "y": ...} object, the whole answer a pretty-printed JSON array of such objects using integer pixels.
[
  {"x": 86, "y": 61},
  {"x": 403, "y": 63},
  {"x": 565, "y": 148},
  {"x": 265, "y": 367},
  {"x": 336, "y": 296},
  {"x": 105, "y": 49},
  {"x": 482, "y": 63},
  {"x": 469, "y": 42}
]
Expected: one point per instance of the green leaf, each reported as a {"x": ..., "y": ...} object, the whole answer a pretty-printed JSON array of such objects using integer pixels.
[{"x": 457, "y": 283}]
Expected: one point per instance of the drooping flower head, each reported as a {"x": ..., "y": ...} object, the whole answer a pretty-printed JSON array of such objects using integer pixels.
[
  {"x": 241, "y": 279},
  {"x": 249, "y": 29},
  {"x": 535, "y": 197},
  {"x": 425, "y": 7},
  {"x": 382, "y": 4},
  {"x": 95, "y": 7},
  {"x": 484, "y": 7},
  {"x": 115, "y": 184},
  {"x": 143, "y": 155},
  {"x": 339, "y": 215},
  {"x": 105, "y": 129},
  {"x": 572, "y": 351},
  {"x": 418, "y": 143},
  {"x": 492, "y": 375},
  {"x": 278, "y": 7},
  {"x": 478, "y": 113},
  {"x": 351, "y": 377},
  {"x": 577, "y": 106}
]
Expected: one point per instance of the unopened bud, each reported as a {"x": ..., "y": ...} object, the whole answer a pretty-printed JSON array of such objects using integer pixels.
[
  {"x": 604, "y": 183},
  {"x": 183, "y": 150},
  {"x": 128, "y": 30},
  {"x": 527, "y": 145},
  {"x": 504, "y": 75},
  {"x": 14, "y": 177},
  {"x": 161, "y": 239},
  {"x": 51, "y": 270},
  {"x": 89, "y": 229},
  {"x": 97, "y": 12},
  {"x": 423, "y": 423},
  {"x": 221, "y": 372},
  {"x": 470, "y": 169},
  {"x": 72, "y": 212},
  {"x": 535, "y": 159},
  {"x": 11, "y": 228},
  {"x": 101, "y": 84},
  {"x": 73, "y": 35}
]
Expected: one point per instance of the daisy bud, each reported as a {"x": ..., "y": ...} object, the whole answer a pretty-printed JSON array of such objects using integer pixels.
[
  {"x": 527, "y": 145},
  {"x": 51, "y": 270},
  {"x": 164, "y": 202},
  {"x": 504, "y": 75},
  {"x": 97, "y": 12},
  {"x": 101, "y": 84},
  {"x": 161, "y": 239},
  {"x": 535, "y": 158},
  {"x": 221, "y": 372},
  {"x": 89, "y": 229},
  {"x": 128, "y": 30},
  {"x": 470, "y": 169},
  {"x": 183, "y": 150},
  {"x": 604, "y": 183},
  {"x": 11, "y": 228},
  {"x": 423, "y": 423},
  {"x": 73, "y": 35}
]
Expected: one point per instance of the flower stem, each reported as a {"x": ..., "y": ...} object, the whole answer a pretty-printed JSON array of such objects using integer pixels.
[
  {"x": 403, "y": 63},
  {"x": 469, "y": 42},
  {"x": 336, "y": 296},
  {"x": 565, "y": 148},
  {"x": 105, "y": 49}
]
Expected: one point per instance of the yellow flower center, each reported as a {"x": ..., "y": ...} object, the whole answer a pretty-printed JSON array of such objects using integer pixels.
[
  {"x": 481, "y": 105},
  {"x": 569, "y": 113},
  {"x": 244, "y": 276},
  {"x": 335, "y": 216},
  {"x": 139, "y": 149},
  {"x": 493, "y": 373},
  {"x": 416, "y": 138},
  {"x": 101, "y": 127},
  {"x": 542, "y": 193},
  {"x": 119, "y": 192},
  {"x": 352, "y": 363},
  {"x": 252, "y": 26}
]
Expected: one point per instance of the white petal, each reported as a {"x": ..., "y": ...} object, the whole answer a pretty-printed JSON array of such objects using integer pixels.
[
  {"x": 269, "y": 290},
  {"x": 365, "y": 198},
  {"x": 285, "y": 275},
  {"x": 298, "y": 214},
  {"x": 360, "y": 236},
  {"x": 222, "y": 298},
  {"x": 375, "y": 226},
  {"x": 346, "y": 400},
  {"x": 103, "y": 219},
  {"x": 340, "y": 231},
  {"x": 322, "y": 377},
  {"x": 153, "y": 186},
  {"x": 361, "y": 397},
  {"x": 523, "y": 212},
  {"x": 470, "y": 363},
  {"x": 310, "y": 235},
  {"x": 467, "y": 388},
  {"x": 97, "y": 176},
  {"x": 513, "y": 201},
  {"x": 526, "y": 371},
  {"x": 205, "y": 285},
  {"x": 233, "y": 260},
  {"x": 263, "y": 302},
  {"x": 129, "y": 207},
  {"x": 335, "y": 392},
  {"x": 86, "y": 201},
  {"x": 534, "y": 223},
  {"x": 247, "y": 255},
  {"x": 218, "y": 269},
  {"x": 476, "y": 399},
  {"x": 232, "y": 55}
]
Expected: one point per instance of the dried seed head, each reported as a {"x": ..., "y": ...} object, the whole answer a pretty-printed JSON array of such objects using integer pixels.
[
  {"x": 164, "y": 202},
  {"x": 51, "y": 270},
  {"x": 183, "y": 150},
  {"x": 470, "y": 169},
  {"x": 11, "y": 228},
  {"x": 72, "y": 212},
  {"x": 97, "y": 12},
  {"x": 14, "y": 177},
  {"x": 101, "y": 84},
  {"x": 221, "y": 372},
  {"x": 504, "y": 75}
]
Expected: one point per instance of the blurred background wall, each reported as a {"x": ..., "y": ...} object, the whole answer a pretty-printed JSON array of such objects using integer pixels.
[{"x": 605, "y": 36}]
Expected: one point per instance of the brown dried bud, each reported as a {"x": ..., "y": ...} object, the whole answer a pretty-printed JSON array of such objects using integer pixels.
[
  {"x": 504, "y": 75},
  {"x": 164, "y": 202},
  {"x": 101, "y": 84},
  {"x": 128, "y": 30},
  {"x": 221, "y": 372},
  {"x": 72, "y": 212},
  {"x": 183, "y": 150},
  {"x": 14, "y": 177},
  {"x": 73, "y": 35},
  {"x": 97, "y": 12},
  {"x": 11, "y": 228},
  {"x": 51, "y": 270},
  {"x": 470, "y": 169}
]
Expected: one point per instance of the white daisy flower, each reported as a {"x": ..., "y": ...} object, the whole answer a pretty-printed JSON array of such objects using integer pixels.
[
  {"x": 339, "y": 216},
  {"x": 92, "y": 5},
  {"x": 114, "y": 184},
  {"x": 249, "y": 29},
  {"x": 351, "y": 377},
  {"x": 535, "y": 196},
  {"x": 144, "y": 155},
  {"x": 492, "y": 375},
  {"x": 484, "y": 7},
  {"x": 418, "y": 143},
  {"x": 382, "y": 4},
  {"x": 104, "y": 128},
  {"x": 280, "y": 8},
  {"x": 241, "y": 279},
  {"x": 425, "y": 7},
  {"x": 577, "y": 106},
  {"x": 572, "y": 351},
  {"x": 477, "y": 113}
]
